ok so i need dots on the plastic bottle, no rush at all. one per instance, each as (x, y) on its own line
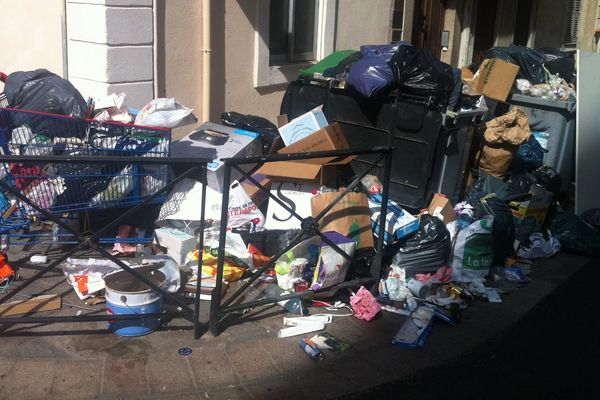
(465, 218)
(293, 306)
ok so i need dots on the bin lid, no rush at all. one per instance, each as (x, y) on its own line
(515, 99)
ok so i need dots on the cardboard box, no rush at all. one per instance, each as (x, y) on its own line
(398, 222)
(218, 141)
(177, 243)
(441, 206)
(494, 79)
(303, 126)
(314, 170)
(529, 215)
(297, 196)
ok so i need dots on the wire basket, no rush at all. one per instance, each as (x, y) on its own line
(60, 188)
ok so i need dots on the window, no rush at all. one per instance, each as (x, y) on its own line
(573, 10)
(292, 31)
(397, 20)
(290, 35)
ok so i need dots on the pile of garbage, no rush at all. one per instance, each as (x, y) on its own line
(436, 261)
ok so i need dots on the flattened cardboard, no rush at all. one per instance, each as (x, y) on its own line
(495, 78)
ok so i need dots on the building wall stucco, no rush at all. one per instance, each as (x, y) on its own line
(550, 23)
(362, 22)
(32, 36)
(232, 52)
(587, 40)
(179, 56)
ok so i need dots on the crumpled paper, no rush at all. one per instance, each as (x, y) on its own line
(365, 306)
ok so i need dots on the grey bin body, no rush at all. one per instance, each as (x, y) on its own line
(557, 118)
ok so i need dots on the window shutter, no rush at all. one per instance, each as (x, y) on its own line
(573, 12)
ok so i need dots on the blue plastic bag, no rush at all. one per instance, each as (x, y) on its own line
(530, 156)
(371, 75)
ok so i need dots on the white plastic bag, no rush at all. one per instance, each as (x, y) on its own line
(183, 204)
(166, 113)
(242, 210)
(473, 252)
(112, 108)
(118, 187)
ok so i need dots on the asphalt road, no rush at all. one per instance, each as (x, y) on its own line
(551, 353)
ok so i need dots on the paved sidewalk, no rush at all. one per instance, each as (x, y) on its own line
(247, 361)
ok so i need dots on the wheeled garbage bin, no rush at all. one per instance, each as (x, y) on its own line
(411, 124)
(553, 125)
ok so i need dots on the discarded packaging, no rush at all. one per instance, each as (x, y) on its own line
(441, 207)
(45, 302)
(301, 329)
(326, 340)
(399, 223)
(177, 243)
(295, 195)
(350, 216)
(216, 142)
(319, 171)
(165, 112)
(303, 126)
(494, 79)
(311, 349)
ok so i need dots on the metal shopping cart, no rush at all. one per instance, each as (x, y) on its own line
(69, 188)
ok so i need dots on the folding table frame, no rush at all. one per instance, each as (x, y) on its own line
(309, 227)
(218, 307)
(183, 310)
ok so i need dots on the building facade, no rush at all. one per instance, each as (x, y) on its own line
(157, 48)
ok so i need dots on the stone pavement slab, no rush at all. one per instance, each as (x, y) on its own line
(247, 361)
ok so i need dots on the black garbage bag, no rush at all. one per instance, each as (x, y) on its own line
(530, 62)
(503, 229)
(417, 72)
(559, 62)
(530, 156)
(575, 235)
(342, 70)
(426, 250)
(501, 53)
(592, 217)
(455, 98)
(548, 178)
(41, 90)
(252, 123)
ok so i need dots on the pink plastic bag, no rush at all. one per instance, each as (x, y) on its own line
(364, 304)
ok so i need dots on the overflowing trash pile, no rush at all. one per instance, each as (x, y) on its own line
(441, 250)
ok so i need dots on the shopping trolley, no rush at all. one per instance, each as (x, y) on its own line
(67, 189)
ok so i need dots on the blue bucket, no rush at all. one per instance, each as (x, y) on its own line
(125, 296)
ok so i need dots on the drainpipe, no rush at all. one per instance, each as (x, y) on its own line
(206, 60)
(155, 48)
